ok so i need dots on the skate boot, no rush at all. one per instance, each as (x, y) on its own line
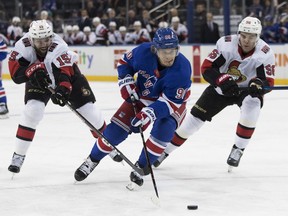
(113, 154)
(3, 111)
(161, 158)
(85, 169)
(16, 164)
(136, 177)
(234, 157)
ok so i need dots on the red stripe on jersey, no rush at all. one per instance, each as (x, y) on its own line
(177, 140)
(102, 146)
(2, 92)
(154, 147)
(68, 70)
(205, 65)
(122, 62)
(13, 67)
(25, 133)
(244, 132)
(68, 85)
(100, 130)
(270, 81)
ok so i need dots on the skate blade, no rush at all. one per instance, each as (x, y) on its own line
(155, 200)
(230, 169)
(131, 186)
(4, 116)
(12, 177)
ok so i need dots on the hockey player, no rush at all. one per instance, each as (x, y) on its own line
(242, 60)
(41, 58)
(161, 89)
(3, 99)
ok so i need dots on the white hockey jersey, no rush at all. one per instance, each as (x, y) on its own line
(58, 54)
(244, 68)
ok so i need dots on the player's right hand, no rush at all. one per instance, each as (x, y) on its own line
(34, 67)
(128, 88)
(227, 85)
(40, 79)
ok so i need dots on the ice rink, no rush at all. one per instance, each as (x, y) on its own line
(195, 174)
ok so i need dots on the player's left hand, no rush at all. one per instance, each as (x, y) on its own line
(61, 95)
(256, 87)
(143, 119)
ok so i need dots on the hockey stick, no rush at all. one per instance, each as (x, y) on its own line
(70, 106)
(269, 88)
(145, 150)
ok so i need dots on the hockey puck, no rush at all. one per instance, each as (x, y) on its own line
(192, 207)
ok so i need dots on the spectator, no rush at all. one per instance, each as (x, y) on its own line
(126, 37)
(269, 30)
(91, 9)
(77, 35)
(84, 20)
(131, 19)
(256, 9)
(44, 15)
(58, 23)
(89, 36)
(163, 24)
(140, 35)
(148, 23)
(199, 20)
(67, 36)
(114, 35)
(209, 30)
(101, 32)
(216, 8)
(14, 31)
(180, 29)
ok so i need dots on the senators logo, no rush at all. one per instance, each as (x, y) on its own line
(235, 72)
(85, 92)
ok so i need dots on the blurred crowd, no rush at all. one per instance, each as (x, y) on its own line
(100, 22)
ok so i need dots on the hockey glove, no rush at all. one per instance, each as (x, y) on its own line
(62, 93)
(256, 87)
(38, 75)
(128, 88)
(227, 85)
(40, 79)
(143, 119)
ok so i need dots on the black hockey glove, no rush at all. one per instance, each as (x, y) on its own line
(227, 85)
(40, 79)
(256, 87)
(61, 95)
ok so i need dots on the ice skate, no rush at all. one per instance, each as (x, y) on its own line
(85, 169)
(234, 158)
(16, 164)
(3, 111)
(162, 157)
(115, 156)
(136, 179)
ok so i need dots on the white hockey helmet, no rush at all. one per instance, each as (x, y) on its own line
(40, 29)
(251, 25)
(16, 19)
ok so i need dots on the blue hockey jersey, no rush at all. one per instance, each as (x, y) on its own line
(163, 89)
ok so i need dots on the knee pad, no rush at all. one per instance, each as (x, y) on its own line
(90, 112)
(33, 113)
(163, 129)
(115, 134)
(250, 111)
(189, 126)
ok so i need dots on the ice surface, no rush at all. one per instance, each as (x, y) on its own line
(195, 174)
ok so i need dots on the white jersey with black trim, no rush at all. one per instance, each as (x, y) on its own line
(54, 54)
(243, 69)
